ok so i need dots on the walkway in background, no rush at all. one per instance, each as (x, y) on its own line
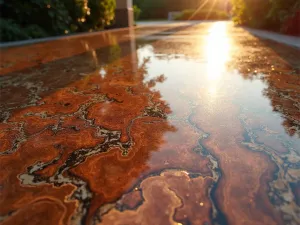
(285, 39)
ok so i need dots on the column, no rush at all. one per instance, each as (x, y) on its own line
(124, 13)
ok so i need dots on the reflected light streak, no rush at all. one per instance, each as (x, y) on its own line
(217, 53)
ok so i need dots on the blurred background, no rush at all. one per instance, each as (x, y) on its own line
(22, 20)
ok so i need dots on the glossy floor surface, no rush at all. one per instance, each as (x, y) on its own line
(172, 124)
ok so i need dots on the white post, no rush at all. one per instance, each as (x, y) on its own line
(124, 13)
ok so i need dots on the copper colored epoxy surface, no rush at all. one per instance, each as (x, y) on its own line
(173, 124)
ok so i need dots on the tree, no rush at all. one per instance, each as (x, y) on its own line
(279, 15)
(39, 18)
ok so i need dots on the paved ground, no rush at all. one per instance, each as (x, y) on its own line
(170, 124)
(165, 22)
(285, 39)
(280, 38)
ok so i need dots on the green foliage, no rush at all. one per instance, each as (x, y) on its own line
(34, 31)
(102, 13)
(159, 9)
(52, 15)
(11, 31)
(137, 12)
(78, 10)
(250, 12)
(39, 18)
(152, 8)
(281, 9)
(202, 15)
(267, 14)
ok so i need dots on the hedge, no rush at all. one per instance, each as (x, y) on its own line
(202, 15)
(277, 15)
(29, 19)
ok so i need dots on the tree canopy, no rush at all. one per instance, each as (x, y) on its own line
(279, 15)
(40, 18)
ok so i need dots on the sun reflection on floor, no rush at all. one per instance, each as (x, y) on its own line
(217, 55)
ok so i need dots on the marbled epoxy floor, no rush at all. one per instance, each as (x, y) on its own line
(188, 124)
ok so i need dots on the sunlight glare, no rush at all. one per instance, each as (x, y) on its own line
(217, 55)
(217, 51)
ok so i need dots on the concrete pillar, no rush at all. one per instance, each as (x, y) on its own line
(124, 13)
